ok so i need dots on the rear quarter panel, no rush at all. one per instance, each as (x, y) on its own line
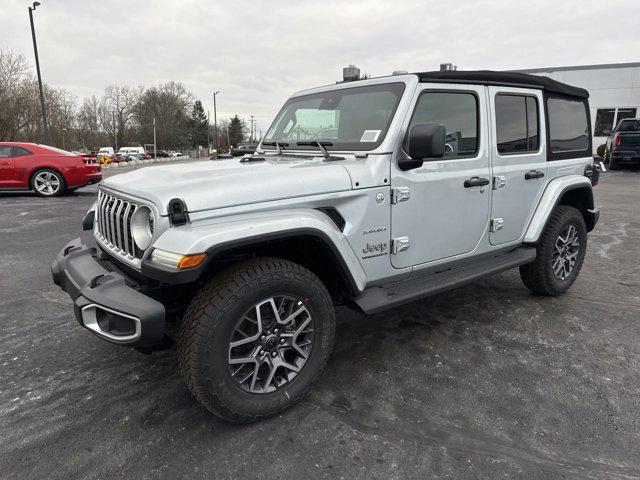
(72, 168)
(572, 166)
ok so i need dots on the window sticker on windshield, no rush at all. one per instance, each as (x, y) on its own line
(370, 136)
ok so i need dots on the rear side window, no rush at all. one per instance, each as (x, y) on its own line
(568, 126)
(458, 112)
(21, 152)
(517, 124)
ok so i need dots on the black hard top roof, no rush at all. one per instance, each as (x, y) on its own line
(509, 79)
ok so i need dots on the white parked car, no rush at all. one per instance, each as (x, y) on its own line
(130, 150)
(106, 151)
(368, 194)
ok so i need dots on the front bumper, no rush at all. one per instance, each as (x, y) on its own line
(105, 301)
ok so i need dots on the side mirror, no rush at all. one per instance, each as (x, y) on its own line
(424, 141)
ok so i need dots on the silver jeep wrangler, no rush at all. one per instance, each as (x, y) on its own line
(368, 194)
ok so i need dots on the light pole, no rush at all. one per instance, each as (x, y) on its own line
(45, 125)
(208, 141)
(215, 119)
(155, 147)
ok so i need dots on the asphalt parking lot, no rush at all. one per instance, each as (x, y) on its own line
(487, 381)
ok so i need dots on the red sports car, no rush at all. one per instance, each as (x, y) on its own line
(48, 171)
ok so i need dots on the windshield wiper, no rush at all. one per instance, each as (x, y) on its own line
(279, 146)
(321, 145)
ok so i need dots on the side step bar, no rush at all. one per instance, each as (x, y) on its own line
(376, 299)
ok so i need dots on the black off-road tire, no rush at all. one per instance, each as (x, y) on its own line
(212, 316)
(538, 275)
(614, 165)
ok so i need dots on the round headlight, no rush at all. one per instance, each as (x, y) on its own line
(142, 227)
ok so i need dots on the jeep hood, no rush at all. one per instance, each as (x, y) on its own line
(207, 185)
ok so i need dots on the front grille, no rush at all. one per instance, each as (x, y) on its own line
(113, 223)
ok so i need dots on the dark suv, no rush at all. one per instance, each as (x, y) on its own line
(243, 149)
(623, 146)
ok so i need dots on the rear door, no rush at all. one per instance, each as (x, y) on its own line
(519, 160)
(439, 212)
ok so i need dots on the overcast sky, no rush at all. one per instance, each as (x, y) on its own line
(256, 53)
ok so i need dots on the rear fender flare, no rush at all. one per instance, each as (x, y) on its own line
(551, 197)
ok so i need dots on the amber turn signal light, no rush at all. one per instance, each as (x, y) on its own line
(191, 261)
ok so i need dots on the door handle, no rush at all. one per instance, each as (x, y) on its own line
(532, 174)
(476, 182)
(5, 163)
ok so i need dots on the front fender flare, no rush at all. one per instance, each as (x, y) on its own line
(550, 199)
(219, 234)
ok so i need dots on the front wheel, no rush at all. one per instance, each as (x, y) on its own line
(560, 253)
(48, 183)
(255, 338)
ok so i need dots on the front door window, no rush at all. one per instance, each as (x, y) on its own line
(458, 112)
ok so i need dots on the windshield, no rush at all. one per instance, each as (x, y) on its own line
(347, 119)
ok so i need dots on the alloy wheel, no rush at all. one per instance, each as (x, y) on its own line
(565, 252)
(270, 344)
(46, 183)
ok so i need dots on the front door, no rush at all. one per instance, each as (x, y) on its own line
(518, 158)
(7, 174)
(447, 209)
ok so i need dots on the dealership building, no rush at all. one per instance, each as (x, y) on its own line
(614, 91)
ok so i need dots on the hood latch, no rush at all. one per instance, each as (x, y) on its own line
(178, 212)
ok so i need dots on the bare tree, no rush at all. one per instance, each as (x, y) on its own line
(89, 124)
(122, 115)
(19, 111)
(61, 107)
(119, 101)
(19, 106)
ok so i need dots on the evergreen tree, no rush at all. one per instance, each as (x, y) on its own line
(237, 130)
(198, 124)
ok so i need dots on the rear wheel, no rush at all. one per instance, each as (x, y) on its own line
(48, 183)
(613, 164)
(560, 253)
(255, 338)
